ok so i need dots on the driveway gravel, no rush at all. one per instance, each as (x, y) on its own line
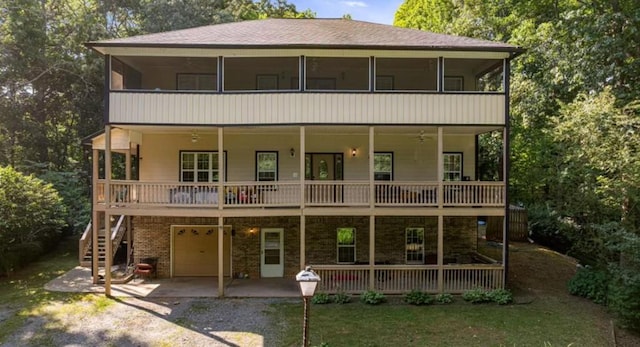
(98, 321)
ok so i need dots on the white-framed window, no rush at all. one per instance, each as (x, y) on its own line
(346, 245)
(452, 166)
(266, 166)
(414, 245)
(383, 166)
(199, 167)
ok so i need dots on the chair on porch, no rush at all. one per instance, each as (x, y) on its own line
(146, 268)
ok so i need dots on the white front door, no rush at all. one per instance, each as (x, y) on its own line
(272, 253)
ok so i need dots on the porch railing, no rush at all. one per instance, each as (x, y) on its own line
(287, 194)
(397, 279)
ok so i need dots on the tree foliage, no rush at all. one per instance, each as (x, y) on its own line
(31, 217)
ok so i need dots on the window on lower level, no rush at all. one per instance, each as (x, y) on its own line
(383, 166)
(346, 245)
(266, 166)
(414, 245)
(452, 166)
(199, 167)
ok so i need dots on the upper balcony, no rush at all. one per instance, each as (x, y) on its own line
(306, 90)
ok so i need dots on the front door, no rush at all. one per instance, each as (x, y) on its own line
(272, 253)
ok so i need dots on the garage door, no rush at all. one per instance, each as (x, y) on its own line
(195, 251)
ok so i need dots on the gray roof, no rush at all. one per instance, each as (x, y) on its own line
(307, 33)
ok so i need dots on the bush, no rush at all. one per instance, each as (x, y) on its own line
(590, 283)
(624, 296)
(444, 298)
(371, 297)
(548, 228)
(342, 298)
(416, 297)
(320, 299)
(476, 296)
(32, 217)
(501, 296)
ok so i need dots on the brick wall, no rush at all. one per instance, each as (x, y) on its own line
(152, 239)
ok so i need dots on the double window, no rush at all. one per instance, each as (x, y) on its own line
(414, 245)
(266, 166)
(383, 166)
(452, 166)
(199, 167)
(346, 245)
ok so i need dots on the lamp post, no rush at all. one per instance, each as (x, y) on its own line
(308, 281)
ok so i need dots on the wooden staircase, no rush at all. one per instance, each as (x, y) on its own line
(86, 245)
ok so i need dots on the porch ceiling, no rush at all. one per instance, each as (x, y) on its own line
(413, 130)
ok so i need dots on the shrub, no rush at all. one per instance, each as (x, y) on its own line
(548, 228)
(342, 298)
(320, 299)
(416, 297)
(444, 298)
(31, 218)
(590, 283)
(476, 296)
(624, 296)
(501, 296)
(371, 297)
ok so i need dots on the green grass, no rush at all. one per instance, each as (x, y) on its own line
(23, 295)
(541, 323)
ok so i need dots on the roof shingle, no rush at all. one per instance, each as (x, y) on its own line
(291, 33)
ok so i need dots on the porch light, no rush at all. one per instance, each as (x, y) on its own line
(292, 151)
(354, 151)
(308, 281)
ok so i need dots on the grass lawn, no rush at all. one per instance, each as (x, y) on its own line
(23, 294)
(540, 323)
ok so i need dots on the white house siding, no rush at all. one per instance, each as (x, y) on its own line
(413, 160)
(306, 108)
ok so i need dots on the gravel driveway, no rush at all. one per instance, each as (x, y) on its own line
(98, 321)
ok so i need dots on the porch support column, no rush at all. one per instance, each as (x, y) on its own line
(372, 190)
(221, 194)
(95, 223)
(440, 253)
(372, 252)
(440, 210)
(107, 217)
(372, 218)
(301, 175)
(506, 160)
(221, 169)
(127, 173)
(220, 256)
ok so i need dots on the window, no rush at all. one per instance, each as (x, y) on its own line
(199, 167)
(266, 166)
(194, 81)
(346, 245)
(383, 166)
(415, 245)
(452, 166)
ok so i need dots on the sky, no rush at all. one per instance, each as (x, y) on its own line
(376, 11)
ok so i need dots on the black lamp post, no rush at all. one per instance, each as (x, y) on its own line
(308, 281)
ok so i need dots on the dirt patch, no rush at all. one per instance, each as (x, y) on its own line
(537, 273)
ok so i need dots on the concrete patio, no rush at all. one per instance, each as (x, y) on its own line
(78, 280)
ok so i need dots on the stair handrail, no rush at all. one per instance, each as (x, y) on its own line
(85, 241)
(117, 234)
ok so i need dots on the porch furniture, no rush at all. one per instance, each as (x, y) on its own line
(146, 268)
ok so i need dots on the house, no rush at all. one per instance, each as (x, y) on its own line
(252, 149)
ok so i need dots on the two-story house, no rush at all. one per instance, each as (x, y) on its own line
(252, 149)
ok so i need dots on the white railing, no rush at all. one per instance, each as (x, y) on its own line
(84, 242)
(397, 279)
(460, 278)
(336, 193)
(117, 234)
(287, 194)
(474, 193)
(406, 194)
(258, 194)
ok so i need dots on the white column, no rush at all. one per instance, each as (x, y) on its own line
(303, 220)
(220, 257)
(107, 222)
(95, 223)
(303, 248)
(440, 253)
(372, 252)
(440, 210)
(372, 219)
(221, 168)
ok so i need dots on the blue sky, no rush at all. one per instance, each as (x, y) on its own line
(376, 11)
